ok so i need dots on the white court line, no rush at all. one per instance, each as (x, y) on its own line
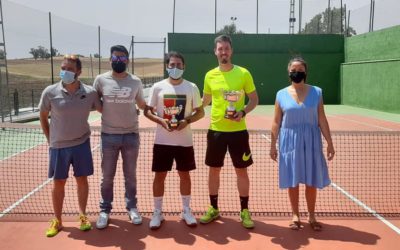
(358, 202)
(23, 151)
(8, 210)
(265, 137)
(370, 210)
(362, 123)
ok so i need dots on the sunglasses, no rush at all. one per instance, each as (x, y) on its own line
(71, 57)
(119, 58)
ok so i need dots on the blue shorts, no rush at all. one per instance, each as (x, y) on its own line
(79, 156)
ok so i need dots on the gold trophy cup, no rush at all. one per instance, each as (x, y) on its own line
(173, 112)
(231, 96)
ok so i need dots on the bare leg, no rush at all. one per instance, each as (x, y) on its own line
(213, 180)
(243, 182)
(294, 202)
(83, 192)
(158, 184)
(185, 183)
(311, 197)
(58, 194)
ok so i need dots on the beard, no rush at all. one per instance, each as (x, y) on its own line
(224, 61)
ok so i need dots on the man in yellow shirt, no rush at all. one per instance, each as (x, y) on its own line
(226, 86)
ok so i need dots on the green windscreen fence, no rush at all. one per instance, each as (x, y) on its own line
(370, 74)
(266, 56)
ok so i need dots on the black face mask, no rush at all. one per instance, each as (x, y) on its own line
(297, 77)
(118, 66)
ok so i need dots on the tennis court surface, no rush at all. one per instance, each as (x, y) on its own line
(360, 210)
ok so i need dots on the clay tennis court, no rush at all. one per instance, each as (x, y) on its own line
(358, 211)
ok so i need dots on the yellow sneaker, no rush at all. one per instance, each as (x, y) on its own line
(246, 219)
(210, 215)
(55, 227)
(85, 223)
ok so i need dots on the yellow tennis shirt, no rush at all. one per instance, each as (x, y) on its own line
(215, 83)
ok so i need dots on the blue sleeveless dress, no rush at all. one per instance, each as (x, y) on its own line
(301, 158)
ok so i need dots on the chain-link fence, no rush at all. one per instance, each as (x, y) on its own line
(32, 65)
(30, 32)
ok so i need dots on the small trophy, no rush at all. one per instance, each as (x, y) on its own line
(173, 112)
(231, 96)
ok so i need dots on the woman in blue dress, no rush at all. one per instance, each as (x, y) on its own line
(299, 120)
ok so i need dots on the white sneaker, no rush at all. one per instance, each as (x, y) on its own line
(134, 216)
(102, 221)
(156, 219)
(188, 217)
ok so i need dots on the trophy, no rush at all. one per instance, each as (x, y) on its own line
(231, 96)
(173, 112)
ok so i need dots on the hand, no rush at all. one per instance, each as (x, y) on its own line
(237, 116)
(164, 123)
(330, 152)
(273, 153)
(182, 124)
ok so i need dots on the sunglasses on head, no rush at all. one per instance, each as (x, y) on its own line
(119, 58)
(70, 57)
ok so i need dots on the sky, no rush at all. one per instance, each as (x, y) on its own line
(75, 22)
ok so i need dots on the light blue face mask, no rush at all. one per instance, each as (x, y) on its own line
(67, 77)
(175, 73)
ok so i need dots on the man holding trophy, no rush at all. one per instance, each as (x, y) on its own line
(173, 104)
(226, 86)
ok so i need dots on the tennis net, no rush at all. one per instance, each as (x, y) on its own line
(365, 177)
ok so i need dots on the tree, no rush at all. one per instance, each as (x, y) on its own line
(54, 52)
(229, 30)
(35, 53)
(2, 54)
(42, 52)
(320, 23)
(96, 55)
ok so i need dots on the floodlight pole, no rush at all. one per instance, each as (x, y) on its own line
(215, 15)
(99, 50)
(173, 18)
(51, 50)
(257, 19)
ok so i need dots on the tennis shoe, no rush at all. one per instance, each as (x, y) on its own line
(156, 219)
(55, 227)
(84, 223)
(210, 215)
(134, 216)
(102, 221)
(188, 217)
(246, 220)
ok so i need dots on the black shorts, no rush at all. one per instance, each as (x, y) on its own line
(236, 142)
(164, 155)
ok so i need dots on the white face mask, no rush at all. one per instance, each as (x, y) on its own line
(67, 77)
(175, 73)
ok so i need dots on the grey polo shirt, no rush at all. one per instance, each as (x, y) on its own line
(69, 113)
(119, 97)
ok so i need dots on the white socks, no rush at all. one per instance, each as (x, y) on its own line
(186, 201)
(158, 202)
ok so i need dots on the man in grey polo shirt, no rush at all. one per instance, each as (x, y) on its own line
(120, 92)
(69, 102)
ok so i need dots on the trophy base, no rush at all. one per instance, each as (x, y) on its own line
(230, 114)
(173, 125)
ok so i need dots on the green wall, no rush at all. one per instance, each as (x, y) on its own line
(370, 74)
(266, 57)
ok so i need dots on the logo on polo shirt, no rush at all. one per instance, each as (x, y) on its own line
(119, 95)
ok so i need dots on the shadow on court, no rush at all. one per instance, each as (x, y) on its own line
(122, 234)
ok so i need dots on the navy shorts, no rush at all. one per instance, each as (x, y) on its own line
(164, 155)
(218, 143)
(79, 156)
